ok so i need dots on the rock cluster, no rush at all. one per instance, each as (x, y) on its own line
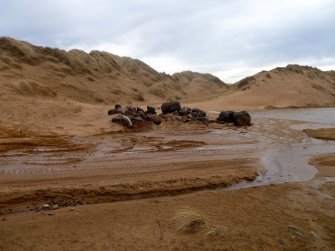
(242, 118)
(188, 114)
(130, 115)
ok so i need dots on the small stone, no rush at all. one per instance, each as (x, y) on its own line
(71, 208)
(55, 206)
(46, 206)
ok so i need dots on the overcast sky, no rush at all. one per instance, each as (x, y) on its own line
(228, 38)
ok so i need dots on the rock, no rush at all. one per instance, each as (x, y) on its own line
(154, 118)
(117, 106)
(141, 114)
(115, 111)
(185, 111)
(46, 206)
(242, 118)
(203, 119)
(139, 109)
(194, 114)
(151, 109)
(169, 107)
(226, 117)
(223, 117)
(123, 120)
(231, 116)
(200, 112)
(131, 117)
(55, 206)
(130, 110)
(138, 118)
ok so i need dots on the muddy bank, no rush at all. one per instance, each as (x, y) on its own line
(114, 167)
(322, 133)
(325, 165)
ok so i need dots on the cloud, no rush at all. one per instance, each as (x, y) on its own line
(231, 38)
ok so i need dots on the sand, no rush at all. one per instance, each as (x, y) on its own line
(325, 164)
(70, 179)
(281, 217)
(322, 133)
(159, 189)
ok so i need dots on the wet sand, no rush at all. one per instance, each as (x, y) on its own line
(325, 165)
(322, 133)
(127, 190)
(107, 168)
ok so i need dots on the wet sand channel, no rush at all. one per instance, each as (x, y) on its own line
(122, 166)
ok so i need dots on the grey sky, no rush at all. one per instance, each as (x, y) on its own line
(228, 38)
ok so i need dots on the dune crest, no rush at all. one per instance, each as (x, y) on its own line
(292, 86)
(99, 77)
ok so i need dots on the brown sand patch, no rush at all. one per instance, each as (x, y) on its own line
(280, 217)
(323, 133)
(325, 164)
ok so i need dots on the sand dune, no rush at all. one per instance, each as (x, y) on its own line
(43, 87)
(291, 86)
(97, 77)
(50, 88)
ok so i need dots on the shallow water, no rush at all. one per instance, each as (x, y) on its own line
(288, 150)
(313, 115)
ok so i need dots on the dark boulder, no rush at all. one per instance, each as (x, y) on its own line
(231, 116)
(203, 119)
(138, 119)
(130, 110)
(117, 106)
(226, 117)
(242, 118)
(200, 112)
(223, 117)
(195, 115)
(139, 109)
(185, 111)
(151, 109)
(169, 107)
